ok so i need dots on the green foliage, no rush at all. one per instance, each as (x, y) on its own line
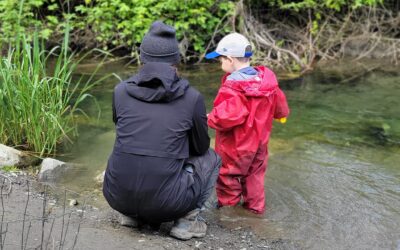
(17, 16)
(9, 169)
(109, 24)
(116, 22)
(124, 22)
(335, 5)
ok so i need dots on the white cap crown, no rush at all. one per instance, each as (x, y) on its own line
(235, 45)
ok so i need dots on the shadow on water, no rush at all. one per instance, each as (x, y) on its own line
(333, 179)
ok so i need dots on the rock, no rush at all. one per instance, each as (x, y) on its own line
(73, 202)
(52, 169)
(100, 178)
(12, 157)
(8, 156)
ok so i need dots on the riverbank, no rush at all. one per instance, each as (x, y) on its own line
(35, 215)
(331, 183)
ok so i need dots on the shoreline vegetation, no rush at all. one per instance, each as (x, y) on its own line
(288, 35)
(42, 42)
(39, 97)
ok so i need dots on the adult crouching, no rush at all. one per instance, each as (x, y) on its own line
(161, 168)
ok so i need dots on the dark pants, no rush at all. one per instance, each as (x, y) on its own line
(123, 185)
(205, 169)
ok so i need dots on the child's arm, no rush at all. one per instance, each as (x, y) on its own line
(229, 110)
(281, 108)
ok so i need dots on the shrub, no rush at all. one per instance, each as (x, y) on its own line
(109, 24)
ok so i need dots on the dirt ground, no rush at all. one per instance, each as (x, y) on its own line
(33, 215)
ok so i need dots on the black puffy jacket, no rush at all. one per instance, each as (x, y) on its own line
(160, 121)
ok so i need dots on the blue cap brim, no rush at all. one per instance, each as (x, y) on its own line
(212, 55)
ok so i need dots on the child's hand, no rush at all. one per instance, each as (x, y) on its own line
(281, 120)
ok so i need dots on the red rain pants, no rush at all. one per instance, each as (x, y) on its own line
(236, 181)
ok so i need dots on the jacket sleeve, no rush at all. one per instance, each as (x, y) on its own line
(114, 111)
(199, 141)
(281, 108)
(229, 110)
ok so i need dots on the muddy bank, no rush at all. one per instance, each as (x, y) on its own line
(35, 215)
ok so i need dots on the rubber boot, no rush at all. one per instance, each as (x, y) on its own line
(189, 226)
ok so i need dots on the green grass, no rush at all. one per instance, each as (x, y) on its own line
(39, 99)
(9, 169)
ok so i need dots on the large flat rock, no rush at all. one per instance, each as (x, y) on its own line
(51, 170)
(12, 157)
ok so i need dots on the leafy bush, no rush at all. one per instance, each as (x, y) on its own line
(117, 23)
(336, 5)
(124, 22)
(17, 17)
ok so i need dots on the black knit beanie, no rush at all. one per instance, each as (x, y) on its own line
(160, 45)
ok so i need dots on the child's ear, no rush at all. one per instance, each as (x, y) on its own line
(230, 59)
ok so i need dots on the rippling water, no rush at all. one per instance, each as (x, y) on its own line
(333, 179)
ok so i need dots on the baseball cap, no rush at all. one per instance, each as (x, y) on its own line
(234, 44)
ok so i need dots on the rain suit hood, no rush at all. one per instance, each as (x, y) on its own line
(156, 82)
(263, 84)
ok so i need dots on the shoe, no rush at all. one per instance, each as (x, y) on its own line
(129, 221)
(189, 226)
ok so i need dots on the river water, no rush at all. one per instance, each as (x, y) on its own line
(333, 179)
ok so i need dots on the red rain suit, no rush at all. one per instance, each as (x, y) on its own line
(242, 117)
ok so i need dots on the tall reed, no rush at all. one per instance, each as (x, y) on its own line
(38, 98)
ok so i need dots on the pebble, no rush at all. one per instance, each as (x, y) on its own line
(73, 202)
(197, 244)
(52, 203)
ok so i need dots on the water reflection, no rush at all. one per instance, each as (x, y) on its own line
(333, 180)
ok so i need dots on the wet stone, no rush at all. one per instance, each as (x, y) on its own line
(12, 157)
(51, 170)
(73, 202)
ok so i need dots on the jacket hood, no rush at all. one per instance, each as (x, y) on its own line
(156, 82)
(264, 84)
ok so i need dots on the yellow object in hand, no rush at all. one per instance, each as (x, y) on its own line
(281, 120)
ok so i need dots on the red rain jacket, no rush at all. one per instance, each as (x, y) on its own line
(242, 117)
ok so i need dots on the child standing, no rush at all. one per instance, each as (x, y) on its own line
(246, 104)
